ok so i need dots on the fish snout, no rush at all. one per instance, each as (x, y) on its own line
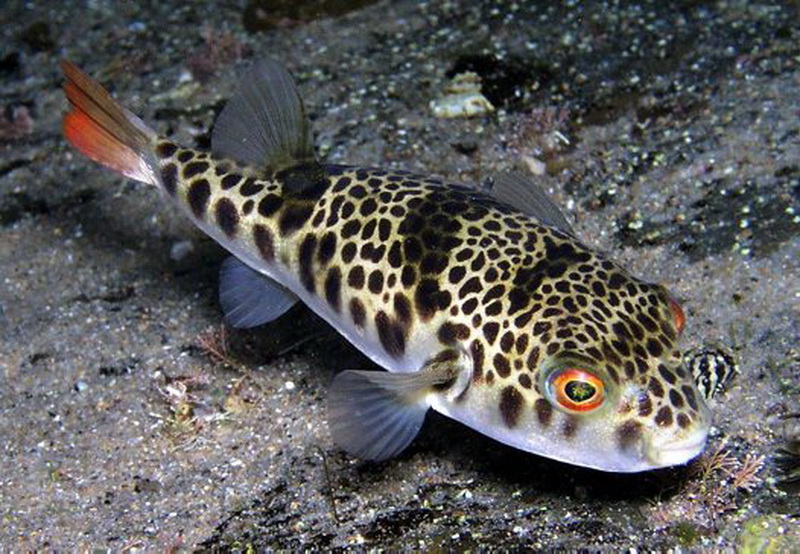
(664, 441)
(676, 448)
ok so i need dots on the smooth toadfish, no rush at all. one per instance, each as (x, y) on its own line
(482, 306)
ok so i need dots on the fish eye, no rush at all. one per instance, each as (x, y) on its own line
(577, 390)
(677, 315)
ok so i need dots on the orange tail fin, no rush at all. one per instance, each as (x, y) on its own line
(104, 131)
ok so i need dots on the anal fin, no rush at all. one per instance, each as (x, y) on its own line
(248, 298)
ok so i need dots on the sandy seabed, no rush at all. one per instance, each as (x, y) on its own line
(130, 418)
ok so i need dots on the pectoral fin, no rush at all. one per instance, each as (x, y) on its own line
(375, 415)
(248, 298)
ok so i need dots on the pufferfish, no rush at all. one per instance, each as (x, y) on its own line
(483, 306)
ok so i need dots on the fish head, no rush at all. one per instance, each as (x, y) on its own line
(617, 396)
(594, 380)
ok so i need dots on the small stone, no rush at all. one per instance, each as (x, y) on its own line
(180, 250)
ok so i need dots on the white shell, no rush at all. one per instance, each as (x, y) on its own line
(463, 98)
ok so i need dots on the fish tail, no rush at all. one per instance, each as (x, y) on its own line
(100, 128)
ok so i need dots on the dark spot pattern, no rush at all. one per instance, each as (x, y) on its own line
(355, 278)
(169, 178)
(402, 309)
(490, 331)
(229, 181)
(306, 259)
(511, 403)
(689, 394)
(193, 169)
(198, 195)
(293, 217)
(250, 188)
(349, 252)
(391, 335)
(185, 155)
(502, 366)
(570, 426)
(375, 282)
(269, 205)
(664, 417)
(628, 434)
(544, 412)
(262, 237)
(358, 312)
(429, 298)
(227, 217)
(333, 288)
(327, 248)
(675, 398)
(395, 256)
(166, 149)
(450, 333)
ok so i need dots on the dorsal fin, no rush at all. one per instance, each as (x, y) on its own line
(521, 192)
(264, 124)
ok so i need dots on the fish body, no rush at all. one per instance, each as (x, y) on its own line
(484, 307)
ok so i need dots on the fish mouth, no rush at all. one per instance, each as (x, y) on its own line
(676, 451)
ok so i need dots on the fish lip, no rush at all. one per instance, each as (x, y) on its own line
(676, 451)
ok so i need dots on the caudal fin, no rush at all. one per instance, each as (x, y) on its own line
(104, 131)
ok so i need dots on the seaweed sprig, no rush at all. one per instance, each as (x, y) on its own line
(717, 482)
(213, 343)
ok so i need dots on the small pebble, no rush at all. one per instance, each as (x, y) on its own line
(180, 250)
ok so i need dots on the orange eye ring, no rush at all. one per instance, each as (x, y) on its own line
(577, 390)
(677, 315)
